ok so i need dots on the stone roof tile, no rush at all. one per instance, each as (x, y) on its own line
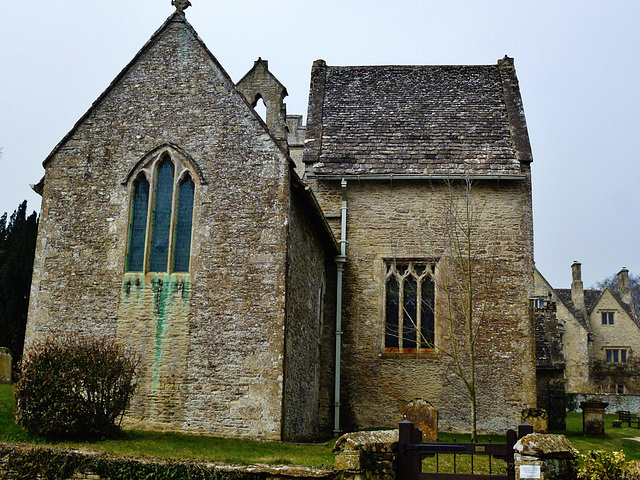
(412, 120)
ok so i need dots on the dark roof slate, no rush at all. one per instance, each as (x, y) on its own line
(564, 294)
(416, 120)
(591, 298)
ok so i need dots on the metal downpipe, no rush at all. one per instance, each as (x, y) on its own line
(340, 261)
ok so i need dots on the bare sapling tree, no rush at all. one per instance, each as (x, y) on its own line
(465, 289)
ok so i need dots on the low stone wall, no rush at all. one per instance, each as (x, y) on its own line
(359, 456)
(367, 455)
(27, 461)
(616, 402)
(544, 457)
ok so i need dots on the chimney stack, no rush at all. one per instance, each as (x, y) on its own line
(623, 285)
(577, 289)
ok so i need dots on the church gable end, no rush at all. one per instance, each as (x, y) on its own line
(164, 224)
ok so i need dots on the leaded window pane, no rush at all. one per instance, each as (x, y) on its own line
(623, 356)
(138, 227)
(182, 245)
(410, 313)
(161, 227)
(392, 313)
(426, 313)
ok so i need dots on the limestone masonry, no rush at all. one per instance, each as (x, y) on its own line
(224, 248)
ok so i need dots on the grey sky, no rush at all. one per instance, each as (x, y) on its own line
(577, 62)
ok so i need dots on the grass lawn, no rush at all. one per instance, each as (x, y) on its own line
(180, 446)
(615, 438)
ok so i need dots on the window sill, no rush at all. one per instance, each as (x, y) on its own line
(427, 353)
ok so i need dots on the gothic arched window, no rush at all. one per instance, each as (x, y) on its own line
(161, 218)
(409, 306)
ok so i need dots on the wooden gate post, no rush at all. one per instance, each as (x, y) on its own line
(409, 463)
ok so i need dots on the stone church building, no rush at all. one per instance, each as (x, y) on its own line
(286, 282)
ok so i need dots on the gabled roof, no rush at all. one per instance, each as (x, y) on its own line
(263, 66)
(625, 306)
(590, 298)
(176, 17)
(416, 120)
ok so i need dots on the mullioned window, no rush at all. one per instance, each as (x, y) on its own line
(409, 306)
(161, 219)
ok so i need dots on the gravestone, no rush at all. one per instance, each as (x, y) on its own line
(593, 417)
(5, 365)
(424, 416)
(538, 417)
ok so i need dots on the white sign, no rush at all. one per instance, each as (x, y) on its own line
(529, 471)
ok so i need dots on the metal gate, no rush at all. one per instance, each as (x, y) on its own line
(412, 452)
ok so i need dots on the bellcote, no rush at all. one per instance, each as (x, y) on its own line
(260, 83)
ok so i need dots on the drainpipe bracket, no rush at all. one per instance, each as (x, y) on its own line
(340, 259)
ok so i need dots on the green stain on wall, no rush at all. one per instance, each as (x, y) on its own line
(166, 292)
(161, 289)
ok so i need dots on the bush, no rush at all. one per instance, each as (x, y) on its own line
(601, 465)
(74, 387)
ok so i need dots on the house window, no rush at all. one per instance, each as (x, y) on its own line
(616, 355)
(409, 306)
(607, 318)
(539, 303)
(161, 218)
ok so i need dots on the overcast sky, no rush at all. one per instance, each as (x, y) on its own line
(578, 63)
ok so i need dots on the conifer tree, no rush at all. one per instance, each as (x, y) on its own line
(17, 248)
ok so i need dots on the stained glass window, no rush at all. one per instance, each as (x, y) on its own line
(161, 226)
(138, 227)
(392, 304)
(171, 219)
(182, 242)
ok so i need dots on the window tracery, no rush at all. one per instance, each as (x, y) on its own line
(161, 218)
(409, 306)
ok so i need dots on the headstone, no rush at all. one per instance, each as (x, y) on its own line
(424, 416)
(537, 417)
(5, 365)
(593, 417)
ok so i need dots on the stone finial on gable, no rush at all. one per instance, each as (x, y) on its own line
(181, 5)
(506, 63)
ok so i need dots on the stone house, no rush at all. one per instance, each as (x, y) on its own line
(599, 333)
(179, 222)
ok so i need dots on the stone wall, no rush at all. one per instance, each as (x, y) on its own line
(394, 219)
(212, 339)
(309, 266)
(616, 402)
